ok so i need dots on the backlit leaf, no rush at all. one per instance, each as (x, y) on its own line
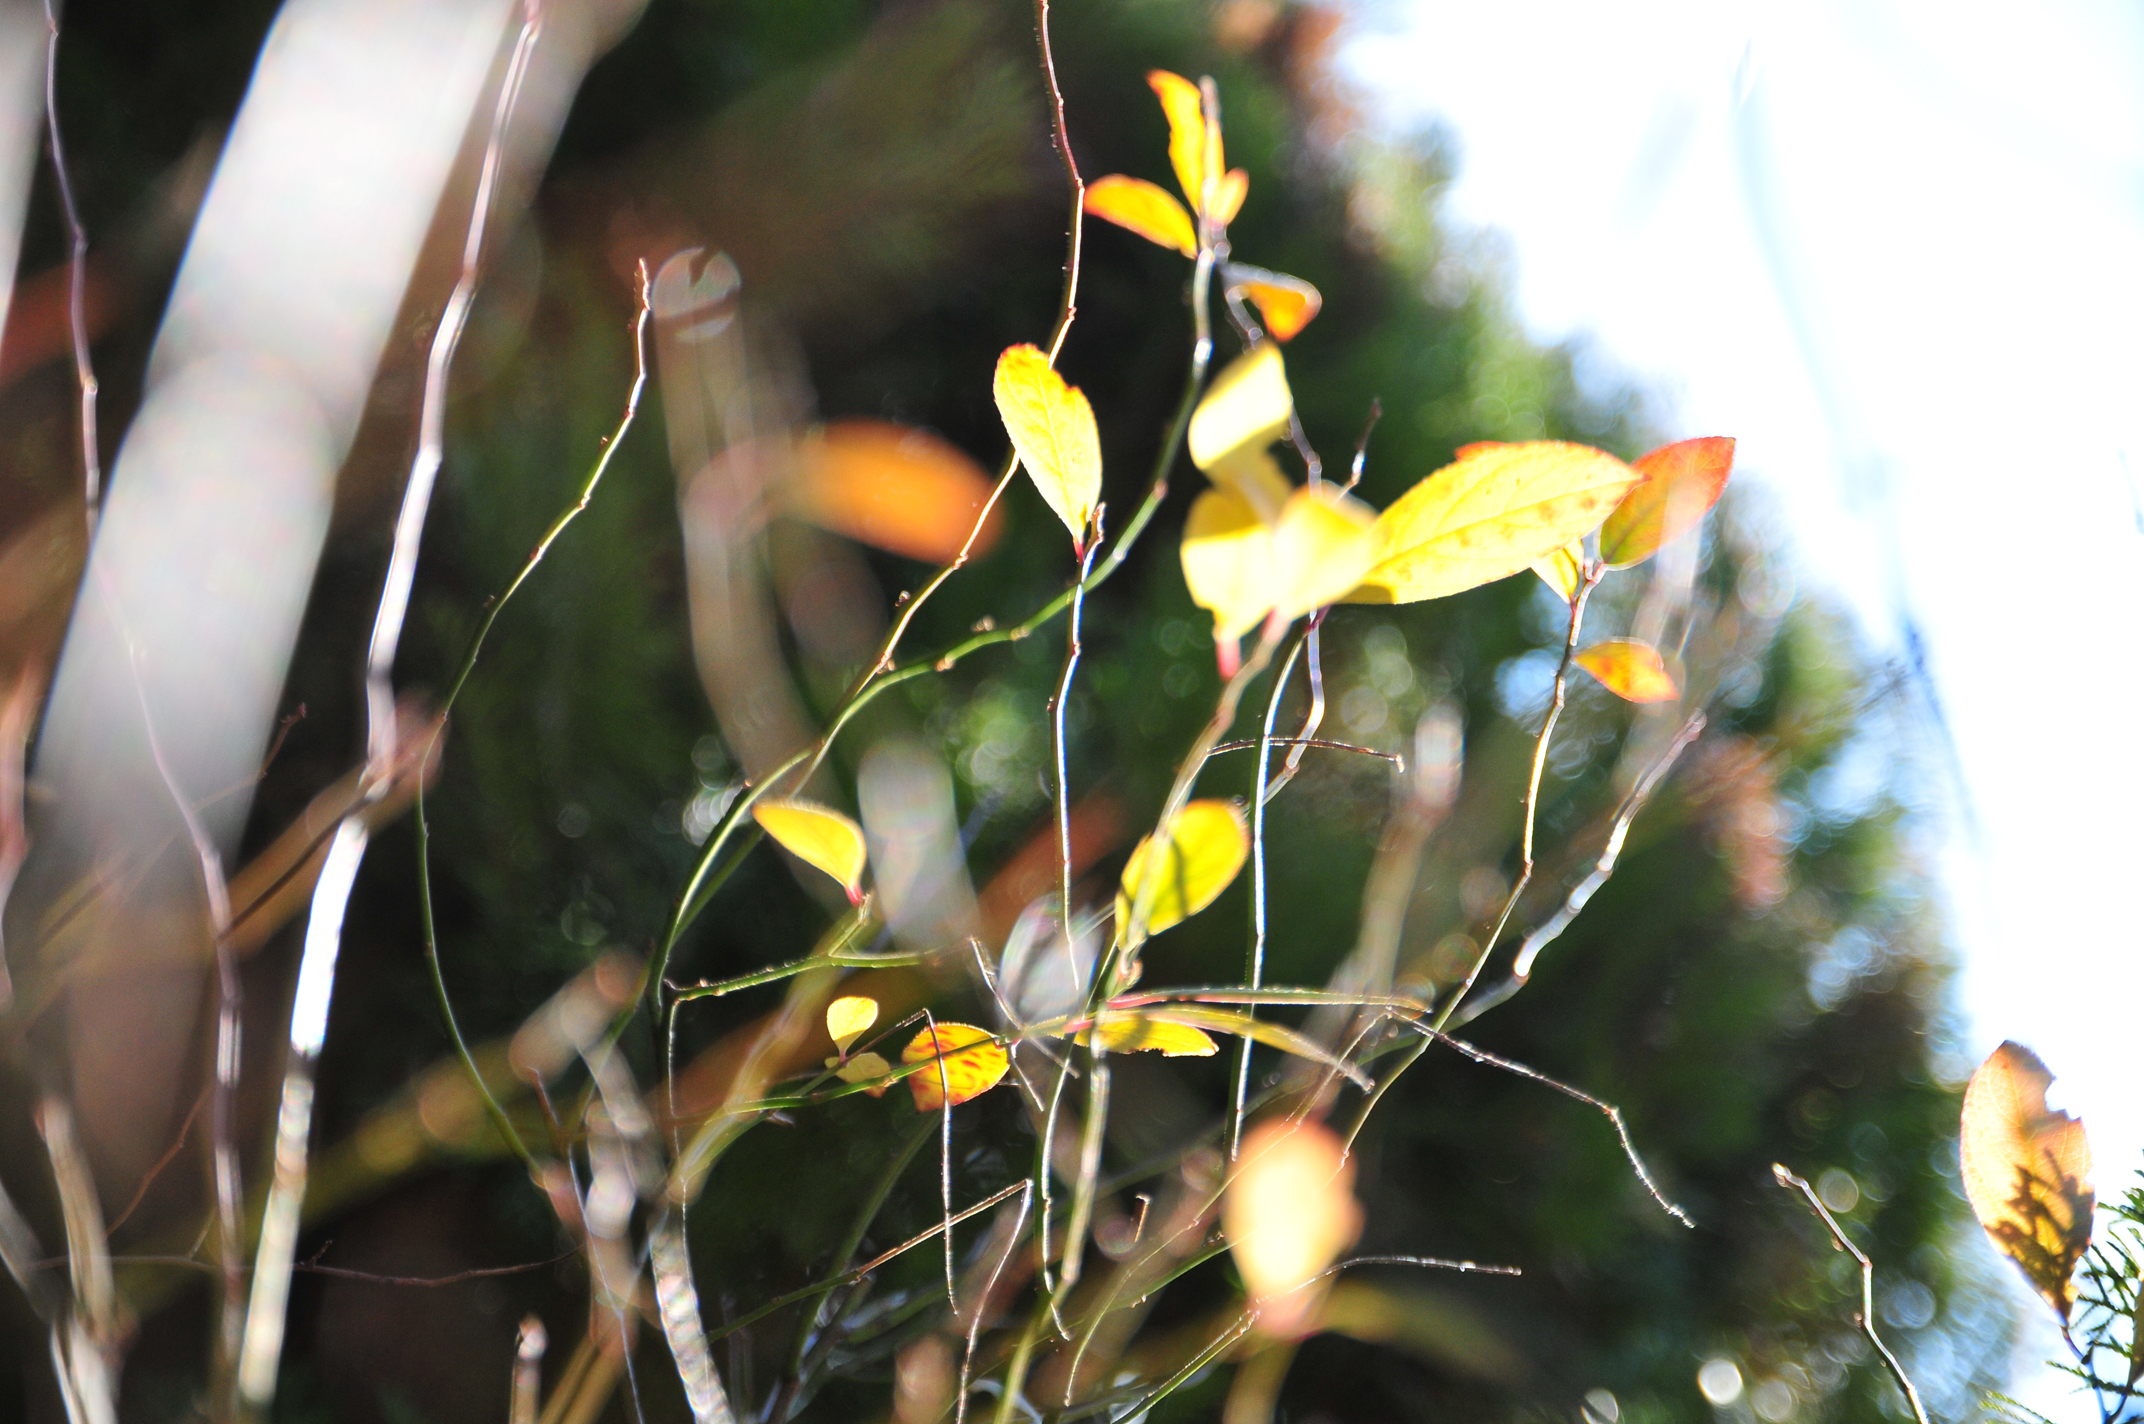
(847, 1018)
(893, 487)
(1564, 570)
(1258, 1030)
(862, 1069)
(1207, 844)
(1144, 208)
(1229, 191)
(1288, 1212)
(1130, 1032)
(1228, 561)
(1285, 303)
(1052, 429)
(1682, 482)
(1630, 669)
(1491, 513)
(968, 1071)
(2027, 1171)
(1256, 475)
(1322, 545)
(1186, 112)
(819, 836)
(1246, 407)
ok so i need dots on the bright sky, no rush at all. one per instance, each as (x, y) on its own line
(1896, 247)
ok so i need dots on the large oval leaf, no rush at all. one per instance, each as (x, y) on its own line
(969, 1062)
(1052, 430)
(1246, 408)
(2027, 1171)
(1207, 845)
(1630, 669)
(819, 836)
(1228, 562)
(1681, 482)
(1491, 513)
(893, 487)
(1143, 208)
(1322, 545)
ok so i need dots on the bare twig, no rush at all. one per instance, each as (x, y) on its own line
(982, 1302)
(85, 375)
(1865, 1318)
(1254, 969)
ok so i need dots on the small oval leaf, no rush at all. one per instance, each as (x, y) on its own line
(1564, 570)
(819, 836)
(1052, 429)
(1491, 513)
(1186, 113)
(1229, 191)
(895, 488)
(848, 1017)
(2027, 1171)
(1681, 484)
(1228, 561)
(1207, 845)
(1143, 208)
(969, 1061)
(1246, 408)
(1630, 669)
(1130, 1032)
(1322, 545)
(1285, 303)
(1288, 1213)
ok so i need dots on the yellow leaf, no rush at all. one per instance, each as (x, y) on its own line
(1491, 513)
(1630, 669)
(1256, 475)
(1052, 429)
(1207, 845)
(968, 1071)
(1144, 208)
(1228, 561)
(1246, 407)
(1286, 303)
(847, 1018)
(1288, 1212)
(1322, 545)
(862, 1069)
(1186, 113)
(895, 488)
(1229, 191)
(820, 836)
(2027, 1171)
(1137, 1033)
(1564, 570)
(1682, 482)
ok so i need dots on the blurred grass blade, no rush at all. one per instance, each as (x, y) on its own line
(677, 1304)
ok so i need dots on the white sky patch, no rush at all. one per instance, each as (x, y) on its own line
(1896, 248)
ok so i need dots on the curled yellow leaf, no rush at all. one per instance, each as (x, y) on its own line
(1288, 1212)
(1490, 513)
(1229, 191)
(1188, 144)
(1228, 559)
(862, 1069)
(1564, 570)
(1053, 432)
(2027, 1171)
(848, 1017)
(1286, 303)
(1322, 545)
(1630, 669)
(1206, 845)
(969, 1063)
(1128, 1032)
(820, 836)
(1681, 483)
(1246, 408)
(1144, 208)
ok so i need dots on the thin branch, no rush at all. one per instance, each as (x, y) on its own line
(85, 375)
(1399, 762)
(1254, 968)
(1865, 1318)
(982, 1302)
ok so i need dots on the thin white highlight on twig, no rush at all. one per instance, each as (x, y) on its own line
(1865, 1318)
(982, 1302)
(85, 375)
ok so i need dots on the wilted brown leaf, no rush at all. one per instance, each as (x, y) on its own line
(2027, 1171)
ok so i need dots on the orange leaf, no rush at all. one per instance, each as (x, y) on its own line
(1631, 670)
(967, 1071)
(1288, 1213)
(895, 488)
(2027, 1171)
(1186, 112)
(1287, 303)
(1682, 482)
(1229, 191)
(1145, 209)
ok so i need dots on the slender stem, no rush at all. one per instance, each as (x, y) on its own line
(85, 375)
(1866, 1317)
(1254, 969)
